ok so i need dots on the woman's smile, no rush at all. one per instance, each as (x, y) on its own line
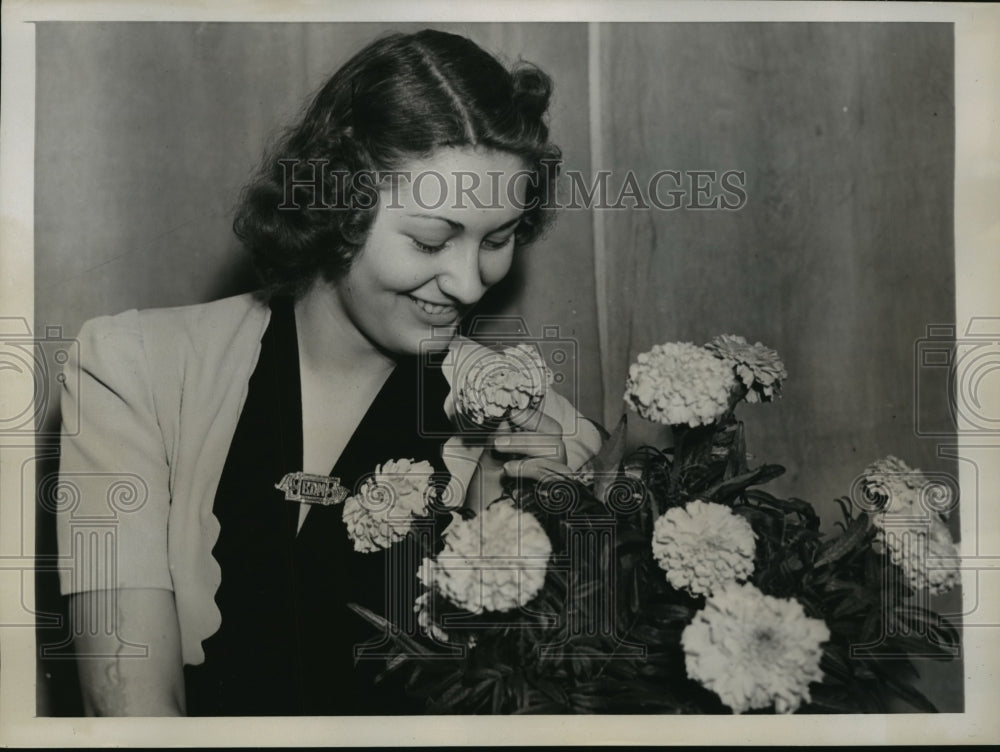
(434, 313)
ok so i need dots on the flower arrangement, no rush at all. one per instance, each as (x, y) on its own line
(669, 581)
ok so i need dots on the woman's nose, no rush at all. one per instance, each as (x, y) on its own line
(460, 277)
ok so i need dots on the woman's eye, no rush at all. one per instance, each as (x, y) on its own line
(426, 247)
(497, 244)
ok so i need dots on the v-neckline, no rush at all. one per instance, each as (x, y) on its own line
(289, 382)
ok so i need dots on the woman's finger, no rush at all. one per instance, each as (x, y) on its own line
(530, 444)
(535, 421)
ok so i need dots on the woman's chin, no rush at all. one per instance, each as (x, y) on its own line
(435, 341)
(421, 338)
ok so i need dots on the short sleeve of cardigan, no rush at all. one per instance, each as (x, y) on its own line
(113, 471)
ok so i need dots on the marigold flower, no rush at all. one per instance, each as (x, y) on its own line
(894, 487)
(383, 510)
(679, 383)
(495, 384)
(758, 367)
(703, 546)
(754, 650)
(915, 537)
(494, 562)
(928, 556)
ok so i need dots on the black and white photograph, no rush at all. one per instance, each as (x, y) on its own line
(636, 365)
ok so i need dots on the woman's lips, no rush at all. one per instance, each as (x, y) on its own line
(433, 312)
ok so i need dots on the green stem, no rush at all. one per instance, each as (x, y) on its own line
(681, 434)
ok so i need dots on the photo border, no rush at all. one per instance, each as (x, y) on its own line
(977, 236)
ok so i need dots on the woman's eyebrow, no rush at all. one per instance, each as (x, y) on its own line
(459, 226)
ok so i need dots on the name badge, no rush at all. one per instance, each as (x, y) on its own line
(312, 489)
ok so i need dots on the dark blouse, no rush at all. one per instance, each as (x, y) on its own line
(289, 644)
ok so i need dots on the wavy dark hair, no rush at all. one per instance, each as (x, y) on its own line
(402, 97)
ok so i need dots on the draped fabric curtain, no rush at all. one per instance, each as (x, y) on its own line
(840, 258)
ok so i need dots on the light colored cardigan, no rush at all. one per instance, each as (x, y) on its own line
(158, 394)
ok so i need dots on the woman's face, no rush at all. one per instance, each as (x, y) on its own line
(442, 236)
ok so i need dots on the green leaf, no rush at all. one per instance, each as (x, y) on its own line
(796, 506)
(834, 584)
(607, 462)
(922, 620)
(482, 673)
(902, 669)
(480, 693)
(842, 545)
(552, 690)
(764, 518)
(833, 699)
(453, 697)
(669, 612)
(835, 663)
(736, 463)
(498, 693)
(432, 691)
(845, 508)
(855, 602)
(911, 694)
(731, 487)
(519, 689)
(394, 663)
(940, 634)
(650, 635)
(625, 536)
(408, 643)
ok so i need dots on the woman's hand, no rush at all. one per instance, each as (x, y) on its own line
(530, 449)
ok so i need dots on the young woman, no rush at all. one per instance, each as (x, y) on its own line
(378, 222)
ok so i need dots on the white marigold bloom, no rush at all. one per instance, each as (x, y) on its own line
(894, 487)
(703, 546)
(494, 562)
(927, 555)
(754, 650)
(679, 383)
(915, 538)
(758, 367)
(383, 510)
(495, 384)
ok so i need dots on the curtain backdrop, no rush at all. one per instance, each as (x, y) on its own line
(843, 254)
(840, 259)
